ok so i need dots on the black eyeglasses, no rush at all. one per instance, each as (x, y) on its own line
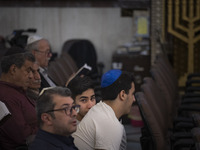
(68, 110)
(47, 53)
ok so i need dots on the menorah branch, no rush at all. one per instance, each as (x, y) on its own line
(196, 39)
(177, 16)
(184, 15)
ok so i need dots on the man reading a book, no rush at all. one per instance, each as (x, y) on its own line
(15, 79)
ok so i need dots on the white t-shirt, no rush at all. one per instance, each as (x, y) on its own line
(100, 129)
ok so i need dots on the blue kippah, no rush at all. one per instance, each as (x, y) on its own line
(110, 77)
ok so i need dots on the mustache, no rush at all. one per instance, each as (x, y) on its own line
(36, 81)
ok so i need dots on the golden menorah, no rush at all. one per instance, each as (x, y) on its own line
(188, 11)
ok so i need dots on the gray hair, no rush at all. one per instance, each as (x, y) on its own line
(32, 46)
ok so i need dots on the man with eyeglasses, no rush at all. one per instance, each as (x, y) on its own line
(82, 89)
(40, 48)
(56, 113)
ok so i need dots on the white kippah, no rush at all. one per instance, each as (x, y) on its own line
(33, 38)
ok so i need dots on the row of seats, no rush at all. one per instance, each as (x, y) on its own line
(169, 123)
(61, 69)
(75, 53)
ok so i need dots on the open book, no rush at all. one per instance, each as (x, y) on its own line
(4, 113)
(84, 70)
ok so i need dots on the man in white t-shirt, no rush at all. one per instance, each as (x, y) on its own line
(101, 128)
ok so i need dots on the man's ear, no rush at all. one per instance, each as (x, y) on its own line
(13, 68)
(46, 118)
(122, 95)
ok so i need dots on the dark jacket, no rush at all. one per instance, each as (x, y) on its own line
(44, 83)
(49, 141)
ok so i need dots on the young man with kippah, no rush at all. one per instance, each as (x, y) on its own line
(101, 128)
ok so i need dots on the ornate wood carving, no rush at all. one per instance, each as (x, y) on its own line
(183, 18)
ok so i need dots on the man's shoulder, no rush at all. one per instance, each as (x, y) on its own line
(93, 114)
(10, 86)
(94, 118)
(41, 142)
(7, 85)
(9, 91)
(38, 145)
(100, 110)
(45, 141)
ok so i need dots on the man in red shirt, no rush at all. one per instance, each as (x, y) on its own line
(15, 79)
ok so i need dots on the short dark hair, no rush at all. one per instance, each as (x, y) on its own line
(18, 59)
(45, 102)
(14, 50)
(122, 83)
(78, 85)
